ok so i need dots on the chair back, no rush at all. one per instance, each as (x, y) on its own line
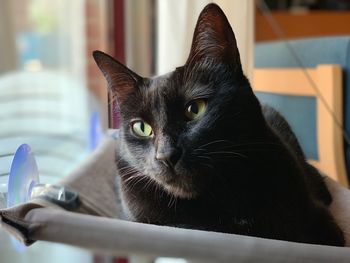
(314, 121)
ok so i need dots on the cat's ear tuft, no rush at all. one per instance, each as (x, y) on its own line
(121, 80)
(214, 39)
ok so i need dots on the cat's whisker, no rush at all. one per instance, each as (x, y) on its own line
(207, 165)
(212, 142)
(129, 172)
(147, 185)
(255, 149)
(259, 143)
(133, 177)
(203, 157)
(126, 170)
(175, 203)
(254, 143)
(157, 189)
(171, 196)
(261, 150)
(199, 150)
(238, 147)
(227, 153)
(134, 183)
(172, 201)
(126, 173)
(224, 152)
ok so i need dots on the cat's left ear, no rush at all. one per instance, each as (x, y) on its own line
(214, 40)
(121, 80)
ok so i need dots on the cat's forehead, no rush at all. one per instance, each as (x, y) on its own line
(161, 82)
(161, 87)
(157, 97)
(173, 85)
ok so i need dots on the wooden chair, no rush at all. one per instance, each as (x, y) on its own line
(292, 83)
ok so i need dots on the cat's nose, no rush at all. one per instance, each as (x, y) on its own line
(169, 157)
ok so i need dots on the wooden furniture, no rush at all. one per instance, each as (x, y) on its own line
(301, 25)
(328, 78)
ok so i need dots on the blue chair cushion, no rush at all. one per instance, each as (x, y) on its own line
(311, 52)
(301, 115)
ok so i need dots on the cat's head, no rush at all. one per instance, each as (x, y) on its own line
(174, 128)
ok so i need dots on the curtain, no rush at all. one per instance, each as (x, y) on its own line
(139, 36)
(8, 58)
(175, 27)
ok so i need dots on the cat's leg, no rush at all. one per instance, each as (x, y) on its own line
(340, 207)
(317, 185)
(322, 228)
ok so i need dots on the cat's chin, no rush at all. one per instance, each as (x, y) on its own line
(179, 192)
(174, 185)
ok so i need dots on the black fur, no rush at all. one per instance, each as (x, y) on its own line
(239, 168)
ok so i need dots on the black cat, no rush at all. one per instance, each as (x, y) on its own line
(197, 150)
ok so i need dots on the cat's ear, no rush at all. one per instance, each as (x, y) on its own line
(214, 39)
(121, 80)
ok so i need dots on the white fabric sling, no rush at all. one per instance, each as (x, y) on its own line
(93, 225)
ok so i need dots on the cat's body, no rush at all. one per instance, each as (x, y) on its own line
(197, 150)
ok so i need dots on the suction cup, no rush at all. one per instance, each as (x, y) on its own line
(96, 132)
(23, 176)
(23, 185)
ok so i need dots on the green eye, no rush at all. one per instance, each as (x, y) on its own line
(142, 129)
(195, 109)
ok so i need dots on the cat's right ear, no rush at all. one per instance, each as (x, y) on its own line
(121, 80)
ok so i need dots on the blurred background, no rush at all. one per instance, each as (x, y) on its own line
(53, 97)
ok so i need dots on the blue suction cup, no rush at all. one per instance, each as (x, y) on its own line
(96, 133)
(23, 184)
(22, 178)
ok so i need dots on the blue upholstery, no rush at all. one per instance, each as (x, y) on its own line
(298, 111)
(313, 51)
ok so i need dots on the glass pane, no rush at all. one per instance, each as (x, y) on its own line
(43, 95)
(44, 100)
